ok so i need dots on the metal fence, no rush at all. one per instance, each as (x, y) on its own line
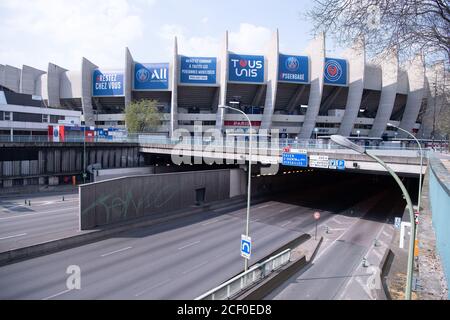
(243, 281)
(263, 143)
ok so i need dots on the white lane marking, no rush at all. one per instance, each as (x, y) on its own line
(196, 267)
(117, 251)
(36, 213)
(152, 287)
(17, 235)
(335, 240)
(285, 224)
(336, 229)
(264, 206)
(189, 245)
(284, 210)
(211, 222)
(38, 204)
(358, 267)
(58, 294)
(385, 233)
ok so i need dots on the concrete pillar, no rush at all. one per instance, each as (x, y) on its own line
(128, 77)
(416, 81)
(12, 78)
(272, 58)
(87, 68)
(174, 82)
(52, 85)
(316, 52)
(2, 75)
(356, 57)
(389, 68)
(435, 100)
(223, 62)
(30, 80)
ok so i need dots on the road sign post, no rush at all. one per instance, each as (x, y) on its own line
(316, 217)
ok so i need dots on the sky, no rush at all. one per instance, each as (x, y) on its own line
(35, 32)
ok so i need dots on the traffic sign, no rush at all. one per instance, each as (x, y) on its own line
(340, 164)
(317, 161)
(398, 222)
(246, 247)
(295, 159)
(317, 215)
(336, 164)
(332, 164)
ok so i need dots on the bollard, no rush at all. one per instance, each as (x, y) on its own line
(375, 243)
(63, 198)
(29, 203)
(327, 230)
(365, 263)
(25, 201)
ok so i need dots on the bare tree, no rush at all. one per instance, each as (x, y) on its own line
(409, 26)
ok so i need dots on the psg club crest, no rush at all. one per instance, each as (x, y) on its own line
(142, 75)
(292, 64)
(333, 71)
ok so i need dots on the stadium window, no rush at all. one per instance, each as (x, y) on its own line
(45, 118)
(8, 116)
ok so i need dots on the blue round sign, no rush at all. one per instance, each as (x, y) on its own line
(333, 70)
(142, 75)
(292, 64)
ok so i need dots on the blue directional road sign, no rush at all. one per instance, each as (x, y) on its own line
(336, 164)
(246, 247)
(295, 159)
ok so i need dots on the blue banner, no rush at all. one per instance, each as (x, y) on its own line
(151, 76)
(198, 70)
(293, 69)
(335, 71)
(242, 68)
(107, 84)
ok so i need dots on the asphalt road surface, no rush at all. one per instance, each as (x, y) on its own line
(179, 259)
(337, 262)
(47, 218)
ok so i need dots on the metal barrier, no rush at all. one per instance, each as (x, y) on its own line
(196, 141)
(243, 281)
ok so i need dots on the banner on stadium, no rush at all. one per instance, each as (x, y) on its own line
(293, 69)
(151, 76)
(198, 70)
(107, 84)
(245, 68)
(335, 72)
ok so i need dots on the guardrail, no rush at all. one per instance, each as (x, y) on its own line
(196, 141)
(243, 281)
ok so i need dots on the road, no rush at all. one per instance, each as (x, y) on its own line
(47, 218)
(178, 259)
(338, 263)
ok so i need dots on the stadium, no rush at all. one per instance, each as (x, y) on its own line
(303, 96)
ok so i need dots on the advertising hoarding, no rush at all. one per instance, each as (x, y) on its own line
(198, 70)
(246, 68)
(293, 69)
(151, 76)
(107, 84)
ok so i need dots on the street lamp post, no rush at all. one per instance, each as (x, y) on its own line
(421, 161)
(249, 175)
(358, 132)
(342, 141)
(316, 130)
(84, 155)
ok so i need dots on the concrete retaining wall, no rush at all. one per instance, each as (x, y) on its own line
(440, 207)
(106, 202)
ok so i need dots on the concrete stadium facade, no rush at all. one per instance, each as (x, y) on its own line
(302, 96)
